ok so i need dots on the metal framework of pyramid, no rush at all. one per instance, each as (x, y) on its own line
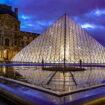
(64, 41)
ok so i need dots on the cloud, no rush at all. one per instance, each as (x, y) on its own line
(92, 26)
(99, 12)
(95, 16)
(88, 26)
(25, 17)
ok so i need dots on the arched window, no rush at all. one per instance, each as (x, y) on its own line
(22, 43)
(6, 42)
(15, 43)
(16, 27)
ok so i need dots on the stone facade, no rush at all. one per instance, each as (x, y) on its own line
(12, 40)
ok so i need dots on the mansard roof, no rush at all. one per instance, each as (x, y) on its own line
(7, 10)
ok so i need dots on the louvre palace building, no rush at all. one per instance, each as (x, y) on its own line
(12, 40)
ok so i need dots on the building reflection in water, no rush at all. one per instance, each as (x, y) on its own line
(8, 71)
(62, 81)
(57, 81)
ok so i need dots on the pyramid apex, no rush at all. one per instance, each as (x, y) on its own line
(65, 14)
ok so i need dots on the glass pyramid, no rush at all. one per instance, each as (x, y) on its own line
(64, 41)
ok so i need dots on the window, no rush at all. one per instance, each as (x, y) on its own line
(22, 43)
(6, 42)
(16, 27)
(27, 43)
(15, 43)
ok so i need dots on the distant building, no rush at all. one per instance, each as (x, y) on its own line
(12, 40)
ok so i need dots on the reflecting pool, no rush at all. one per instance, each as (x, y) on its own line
(58, 81)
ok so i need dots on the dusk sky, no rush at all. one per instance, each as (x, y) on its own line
(37, 15)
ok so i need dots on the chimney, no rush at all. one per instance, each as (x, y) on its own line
(16, 11)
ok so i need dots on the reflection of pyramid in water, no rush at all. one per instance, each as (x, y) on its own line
(63, 41)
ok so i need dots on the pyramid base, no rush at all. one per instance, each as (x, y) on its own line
(54, 68)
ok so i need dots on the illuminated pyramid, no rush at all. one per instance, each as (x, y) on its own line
(64, 41)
